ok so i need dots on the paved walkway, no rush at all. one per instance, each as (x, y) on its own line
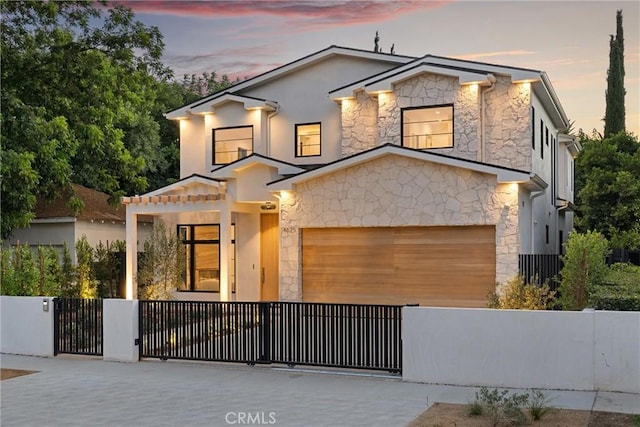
(73, 391)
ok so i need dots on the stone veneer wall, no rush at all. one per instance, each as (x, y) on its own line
(508, 125)
(397, 191)
(359, 124)
(423, 90)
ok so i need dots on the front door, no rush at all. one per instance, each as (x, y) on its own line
(269, 258)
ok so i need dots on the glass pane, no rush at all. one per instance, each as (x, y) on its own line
(184, 233)
(232, 144)
(186, 272)
(308, 143)
(428, 127)
(207, 267)
(206, 232)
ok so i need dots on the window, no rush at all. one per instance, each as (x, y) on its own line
(533, 128)
(308, 139)
(202, 260)
(427, 127)
(231, 144)
(546, 235)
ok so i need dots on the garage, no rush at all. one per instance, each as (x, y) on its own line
(453, 266)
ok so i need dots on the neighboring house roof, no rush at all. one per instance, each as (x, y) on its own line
(96, 206)
(503, 174)
(288, 68)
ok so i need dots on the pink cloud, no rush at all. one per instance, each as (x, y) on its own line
(317, 14)
(476, 56)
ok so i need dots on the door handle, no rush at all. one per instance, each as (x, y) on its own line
(262, 276)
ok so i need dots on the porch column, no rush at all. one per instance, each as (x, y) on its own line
(225, 242)
(132, 254)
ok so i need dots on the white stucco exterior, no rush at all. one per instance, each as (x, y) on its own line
(492, 175)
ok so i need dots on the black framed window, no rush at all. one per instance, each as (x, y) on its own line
(202, 257)
(427, 127)
(231, 144)
(533, 127)
(308, 139)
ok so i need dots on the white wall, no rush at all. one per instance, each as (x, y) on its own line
(120, 326)
(193, 158)
(46, 234)
(24, 327)
(586, 350)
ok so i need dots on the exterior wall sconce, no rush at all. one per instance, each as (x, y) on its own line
(268, 206)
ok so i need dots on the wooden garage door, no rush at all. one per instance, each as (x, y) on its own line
(432, 266)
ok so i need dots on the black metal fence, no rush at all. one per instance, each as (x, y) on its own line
(77, 327)
(540, 268)
(292, 333)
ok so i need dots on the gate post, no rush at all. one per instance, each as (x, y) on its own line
(264, 313)
(56, 325)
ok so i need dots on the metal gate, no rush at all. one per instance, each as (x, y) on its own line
(77, 326)
(292, 333)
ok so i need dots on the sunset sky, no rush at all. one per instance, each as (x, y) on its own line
(567, 39)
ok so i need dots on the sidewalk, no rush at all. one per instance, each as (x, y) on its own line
(89, 392)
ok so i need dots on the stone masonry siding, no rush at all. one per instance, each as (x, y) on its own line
(359, 124)
(397, 191)
(507, 127)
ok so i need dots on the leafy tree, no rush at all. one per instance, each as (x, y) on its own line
(614, 118)
(161, 271)
(76, 101)
(608, 188)
(584, 268)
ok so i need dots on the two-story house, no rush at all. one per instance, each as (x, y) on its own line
(364, 177)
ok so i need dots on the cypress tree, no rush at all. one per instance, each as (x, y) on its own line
(614, 118)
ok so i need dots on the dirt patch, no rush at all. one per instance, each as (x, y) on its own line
(449, 415)
(5, 373)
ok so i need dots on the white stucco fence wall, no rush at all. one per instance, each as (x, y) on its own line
(28, 330)
(589, 350)
(24, 327)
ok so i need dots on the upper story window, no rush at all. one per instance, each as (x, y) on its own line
(308, 139)
(533, 128)
(231, 144)
(427, 127)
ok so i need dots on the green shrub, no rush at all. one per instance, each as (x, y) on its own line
(19, 271)
(539, 405)
(67, 273)
(49, 269)
(584, 268)
(106, 268)
(620, 291)
(503, 407)
(516, 294)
